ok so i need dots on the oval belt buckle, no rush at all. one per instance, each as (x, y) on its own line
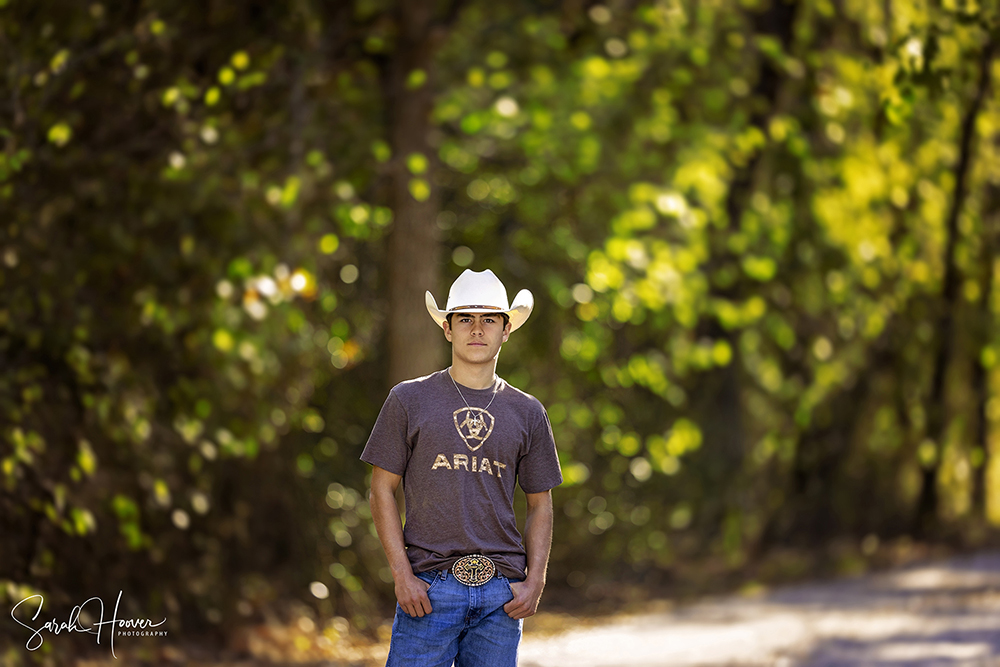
(474, 570)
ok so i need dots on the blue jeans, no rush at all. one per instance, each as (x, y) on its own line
(467, 625)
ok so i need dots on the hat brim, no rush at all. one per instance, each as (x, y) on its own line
(518, 313)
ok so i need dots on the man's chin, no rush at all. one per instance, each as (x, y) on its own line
(478, 356)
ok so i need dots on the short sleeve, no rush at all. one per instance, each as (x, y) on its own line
(538, 470)
(388, 446)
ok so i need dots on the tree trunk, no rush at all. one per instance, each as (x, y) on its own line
(937, 419)
(721, 390)
(984, 336)
(414, 248)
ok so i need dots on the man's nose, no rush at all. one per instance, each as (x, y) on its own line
(477, 327)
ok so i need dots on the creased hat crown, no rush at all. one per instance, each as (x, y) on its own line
(481, 292)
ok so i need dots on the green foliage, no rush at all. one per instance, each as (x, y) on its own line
(736, 226)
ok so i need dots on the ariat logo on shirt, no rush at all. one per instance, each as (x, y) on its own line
(461, 462)
(474, 425)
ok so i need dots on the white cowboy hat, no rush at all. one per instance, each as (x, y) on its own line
(481, 292)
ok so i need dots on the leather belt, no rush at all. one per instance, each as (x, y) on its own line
(474, 570)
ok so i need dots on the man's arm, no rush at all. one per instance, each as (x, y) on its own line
(537, 543)
(411, 592)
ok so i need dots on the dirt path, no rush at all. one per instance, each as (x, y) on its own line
(941, 615)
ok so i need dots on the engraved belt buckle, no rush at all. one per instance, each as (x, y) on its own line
(474, 570)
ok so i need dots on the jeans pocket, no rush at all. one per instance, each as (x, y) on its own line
(506, 582)
(431, 578)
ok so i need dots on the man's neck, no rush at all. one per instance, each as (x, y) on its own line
(478, 376)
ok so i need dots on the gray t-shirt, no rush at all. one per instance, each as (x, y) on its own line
(459, 467)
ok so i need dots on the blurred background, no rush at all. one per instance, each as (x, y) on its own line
(762, 237)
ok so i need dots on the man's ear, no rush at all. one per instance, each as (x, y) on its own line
(506, 332)
(447, 330)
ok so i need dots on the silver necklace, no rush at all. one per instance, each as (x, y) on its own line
(477, 421)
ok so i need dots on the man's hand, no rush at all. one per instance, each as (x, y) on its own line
(526, 596)
(411, 594)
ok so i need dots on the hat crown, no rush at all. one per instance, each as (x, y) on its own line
(478, 290)
(481, 292)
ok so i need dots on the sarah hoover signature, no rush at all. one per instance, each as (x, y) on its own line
(72, 624)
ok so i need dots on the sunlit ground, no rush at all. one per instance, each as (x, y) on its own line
(943, 614)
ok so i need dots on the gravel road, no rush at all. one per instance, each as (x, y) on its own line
(941, 615)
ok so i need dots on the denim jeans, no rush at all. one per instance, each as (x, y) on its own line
(467, 625)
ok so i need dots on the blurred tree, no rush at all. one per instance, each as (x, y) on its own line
(414, 247)
(947, 344)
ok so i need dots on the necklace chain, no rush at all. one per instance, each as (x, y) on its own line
(478, 419)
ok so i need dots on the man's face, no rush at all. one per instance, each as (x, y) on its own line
(476, 337)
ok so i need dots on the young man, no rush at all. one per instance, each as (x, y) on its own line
(459, 440)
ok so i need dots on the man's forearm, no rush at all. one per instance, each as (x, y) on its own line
(538, 537)
(385, 514)
(537, 543)
(411, 592)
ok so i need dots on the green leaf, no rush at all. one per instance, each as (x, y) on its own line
(419, 189)
(60, 134)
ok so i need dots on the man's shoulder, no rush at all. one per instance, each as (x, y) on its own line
(410, 389)
(521, 397)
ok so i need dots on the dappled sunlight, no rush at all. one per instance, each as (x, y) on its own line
(918, 614)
